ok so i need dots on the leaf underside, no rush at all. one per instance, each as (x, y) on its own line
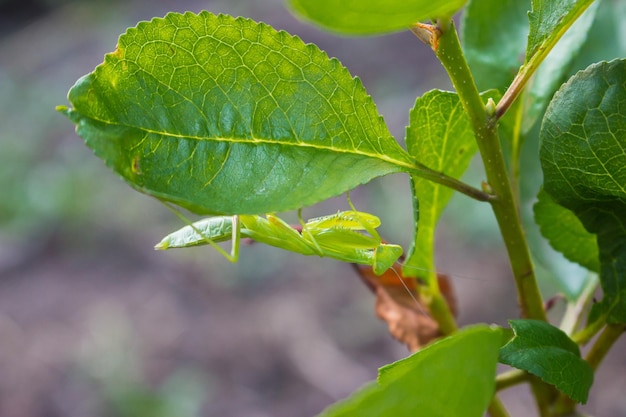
(369, 17)
(566, 233)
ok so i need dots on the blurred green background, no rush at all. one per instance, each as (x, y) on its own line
(93, 322)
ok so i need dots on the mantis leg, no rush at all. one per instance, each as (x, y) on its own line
(234, 249)
(272, 230)
(308, 237)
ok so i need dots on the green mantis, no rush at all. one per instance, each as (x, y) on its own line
(348, 236)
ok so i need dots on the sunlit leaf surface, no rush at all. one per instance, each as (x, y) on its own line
(439, 136)
(229, 116)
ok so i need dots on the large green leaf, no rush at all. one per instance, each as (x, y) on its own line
(440, 137)
(366, 17)
(565, 232)
(229, 116)
(451, 377)
(494, 34)
(546, 351)
(583, 156)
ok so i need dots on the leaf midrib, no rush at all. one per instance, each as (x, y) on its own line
(257, 141)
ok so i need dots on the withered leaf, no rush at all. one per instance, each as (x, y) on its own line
(398, 303)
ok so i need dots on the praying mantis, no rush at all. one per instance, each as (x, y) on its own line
(348, 236)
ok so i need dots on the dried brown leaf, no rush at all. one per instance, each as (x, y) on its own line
(398, 303)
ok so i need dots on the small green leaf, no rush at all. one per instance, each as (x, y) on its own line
(428, 383)
(439, 136)
(547, 352)
(583, 142)
(553, 70)
(549, 19)
(487, 26)
(367, 17)
(229, 116)
(565, 232)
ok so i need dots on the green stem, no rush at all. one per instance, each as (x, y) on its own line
(544, 395)
(511, 378)
(448, 49)
(574, 313)
(603, 344)
(496, 408)
(591, 329)
(516, 149)
(586, 334)
(484, 123)
(441, 313)
(443, 179)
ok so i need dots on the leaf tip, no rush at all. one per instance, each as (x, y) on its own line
(162, 245)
